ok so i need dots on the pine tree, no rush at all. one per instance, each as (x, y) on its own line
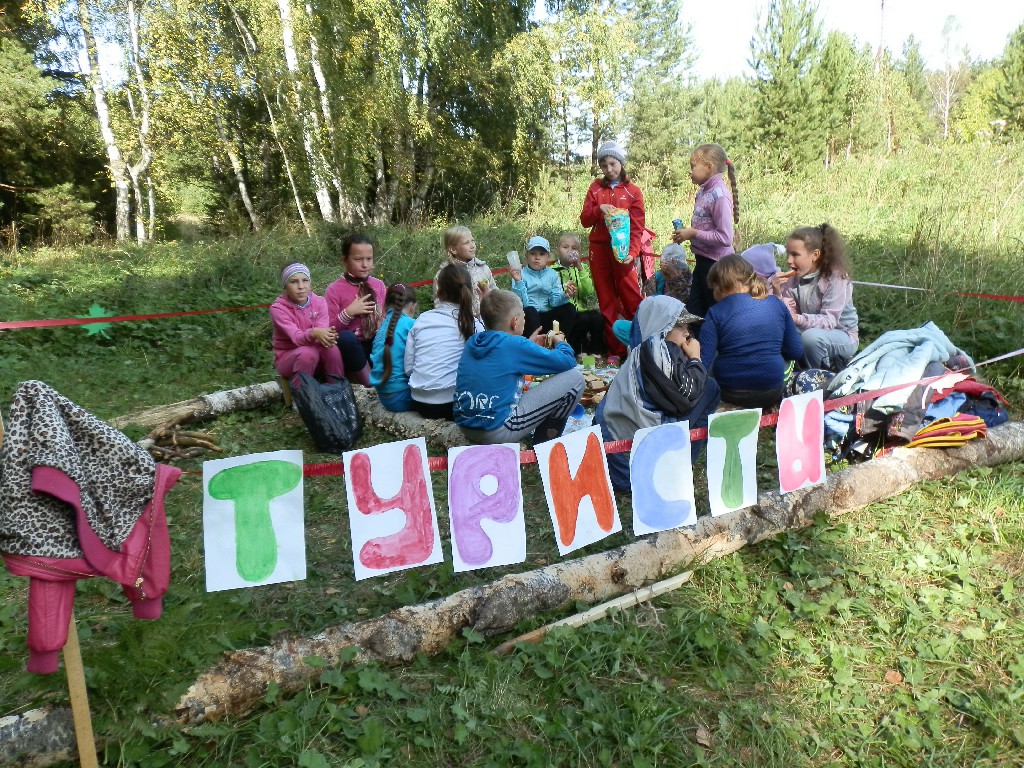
(787, 107)
(1008, 100)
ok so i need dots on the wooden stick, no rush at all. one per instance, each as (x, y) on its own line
(599, 611)
(79, 698)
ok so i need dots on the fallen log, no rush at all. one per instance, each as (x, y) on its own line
(238, 684)
(203, 407)
(439, 432)
(37, 738)
(443, 434)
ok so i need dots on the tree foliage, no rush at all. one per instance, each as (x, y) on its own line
(248, 112)
(788, 128)
(1008, 98)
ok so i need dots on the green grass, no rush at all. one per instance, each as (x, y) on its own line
(780, 652)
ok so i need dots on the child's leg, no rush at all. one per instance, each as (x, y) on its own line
(353, 358)
(544, 408)
(587, 333)
(305, 358)
(828, 349)
(701, 297)
(627, 286)
(330, 363)
(533, 321)
(564, 314)
(602, 266)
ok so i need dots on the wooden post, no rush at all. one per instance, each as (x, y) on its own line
(79, 698)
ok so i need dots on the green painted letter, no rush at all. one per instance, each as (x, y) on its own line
(251, 487)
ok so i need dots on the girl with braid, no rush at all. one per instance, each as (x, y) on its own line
(355, 303)
(387, 361)
(436, 341)
(715, 212)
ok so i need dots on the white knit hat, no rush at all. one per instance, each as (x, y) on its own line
(611, 149)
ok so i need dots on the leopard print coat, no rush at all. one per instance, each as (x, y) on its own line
(114, 475)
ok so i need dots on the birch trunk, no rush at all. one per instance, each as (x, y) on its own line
(238, 170)
(141, 167)
(239, 683)
(249, 44)
(115, 160)
(307, 121)
(204, 407)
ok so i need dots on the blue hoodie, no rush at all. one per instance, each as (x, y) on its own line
(491, 371)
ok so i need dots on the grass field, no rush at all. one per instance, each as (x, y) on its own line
(892, 637)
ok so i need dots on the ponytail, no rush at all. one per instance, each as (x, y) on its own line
(716, 157)
(398, 298)
(735, 192)
(467, 326)
(456, 286)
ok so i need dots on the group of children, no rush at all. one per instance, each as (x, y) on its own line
(732, 329)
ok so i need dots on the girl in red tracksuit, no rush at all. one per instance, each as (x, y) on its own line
(617, 284)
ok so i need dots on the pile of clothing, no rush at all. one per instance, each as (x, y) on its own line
(945, 412)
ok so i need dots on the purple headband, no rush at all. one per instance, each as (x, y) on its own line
(293, 269)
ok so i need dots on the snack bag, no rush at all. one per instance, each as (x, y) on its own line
(618, 227)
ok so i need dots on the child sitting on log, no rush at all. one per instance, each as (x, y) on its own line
(747, 336)
(387, 361)
(302, 337)
(661, 382)
(540, 289)
(436, 341)
(494, 402)
(587, 331)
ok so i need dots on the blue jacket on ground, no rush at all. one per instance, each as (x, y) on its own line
(745, 342)
(541, 289)
(491, 371)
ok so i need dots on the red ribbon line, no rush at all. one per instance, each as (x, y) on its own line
(116, 318)
(990, 296)
(15, 324)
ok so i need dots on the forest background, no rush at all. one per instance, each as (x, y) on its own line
(224, 137)
(146, 120)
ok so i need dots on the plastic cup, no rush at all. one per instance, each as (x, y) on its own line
(589, 362)
(513, 259)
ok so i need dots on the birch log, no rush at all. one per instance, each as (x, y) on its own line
(439, 432)
(204, 406)
(238, 684)
(37, 738)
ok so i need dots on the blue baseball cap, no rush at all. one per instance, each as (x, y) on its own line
(538, 242)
